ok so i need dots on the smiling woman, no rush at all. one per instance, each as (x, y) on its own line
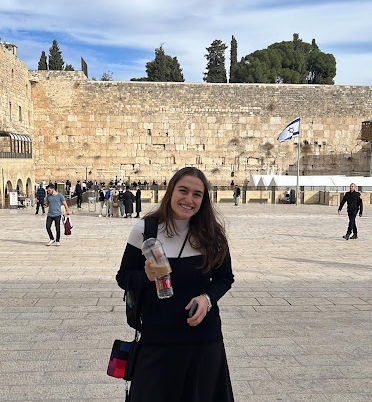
(184, 352)
(187, 197)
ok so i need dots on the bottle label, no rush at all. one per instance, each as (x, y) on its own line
(164, 284)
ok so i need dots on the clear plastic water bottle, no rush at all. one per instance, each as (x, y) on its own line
(153, 249)
(164, 287)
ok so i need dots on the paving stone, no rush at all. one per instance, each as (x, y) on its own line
(297, 321)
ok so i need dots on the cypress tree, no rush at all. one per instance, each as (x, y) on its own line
(55, 57)
(233, 57)
(163, 68)
(216, 71)
(176, 71)
(43, 65)
(157, 69)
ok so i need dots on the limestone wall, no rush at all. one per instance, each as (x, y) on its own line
(16, 116)
(15, 93)
(138, 130)
(15, 172)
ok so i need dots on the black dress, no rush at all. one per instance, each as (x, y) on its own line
(128, 202)
(177, 362)
(138, 201)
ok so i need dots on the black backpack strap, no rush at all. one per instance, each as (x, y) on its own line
(151, 228)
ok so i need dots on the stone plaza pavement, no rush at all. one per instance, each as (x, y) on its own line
(297, 323)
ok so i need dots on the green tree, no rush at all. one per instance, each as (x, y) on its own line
(55, 57)
(157, 68)
(69, 67)
(163, 68)
(321, 68)
(233, 58)
(175, 71)
(216, 71)
(295, 62)
(139, 79)
(43, 64)
(107, 76)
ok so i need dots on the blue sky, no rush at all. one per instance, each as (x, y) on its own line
(120, 36)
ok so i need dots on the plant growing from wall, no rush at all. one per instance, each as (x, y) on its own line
(267, 148)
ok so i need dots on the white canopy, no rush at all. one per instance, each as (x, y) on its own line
(254, 179)
(265, 180)
(345, 181)
(330, 182)
(304, 181)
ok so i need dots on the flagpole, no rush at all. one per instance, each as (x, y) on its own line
(298, 162)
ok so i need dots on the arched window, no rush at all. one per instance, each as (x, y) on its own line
(20, 113)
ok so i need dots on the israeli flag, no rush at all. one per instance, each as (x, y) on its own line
(292, 129)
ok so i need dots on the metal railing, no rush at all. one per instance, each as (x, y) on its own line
(15, 155)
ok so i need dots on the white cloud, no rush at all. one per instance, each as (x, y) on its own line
(185, 28)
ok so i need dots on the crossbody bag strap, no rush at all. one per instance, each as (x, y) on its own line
(183, 245)
(151, 228)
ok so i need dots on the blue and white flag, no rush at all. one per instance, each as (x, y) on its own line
(292, 129)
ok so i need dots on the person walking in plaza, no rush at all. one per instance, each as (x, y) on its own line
(128, 202)
(109, 197)
(54, 201)
(79, 194)
(40, 196)
(121, 203)
(236, 194)
(183, 354)
(138, 201)
(354, 204)
(101, 199)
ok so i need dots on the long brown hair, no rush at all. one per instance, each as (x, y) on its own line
(206, 233)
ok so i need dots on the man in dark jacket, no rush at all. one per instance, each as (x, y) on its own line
(40, 196)
(79, 194)
(236, 194)
(128, 202)
(138, 201)
(354, 204)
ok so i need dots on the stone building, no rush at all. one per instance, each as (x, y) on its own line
(17, 167)
(146, 131)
